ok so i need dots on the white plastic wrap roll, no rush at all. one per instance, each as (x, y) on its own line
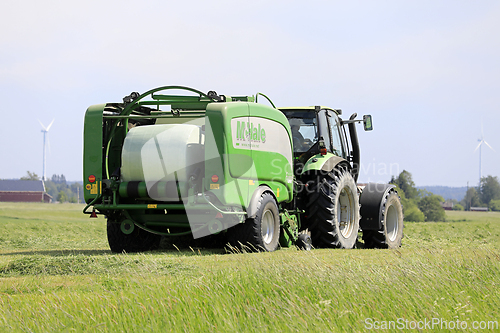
(161, 152)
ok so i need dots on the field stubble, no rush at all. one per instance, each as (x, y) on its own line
(57, 274)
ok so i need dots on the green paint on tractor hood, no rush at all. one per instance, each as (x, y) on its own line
(323, 162)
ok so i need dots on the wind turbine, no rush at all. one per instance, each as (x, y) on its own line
(481, 142)
(45, 130)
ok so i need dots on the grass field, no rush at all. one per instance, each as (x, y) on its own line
(57, 274)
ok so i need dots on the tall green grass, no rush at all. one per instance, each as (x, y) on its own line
(54, 227)
(67, 280)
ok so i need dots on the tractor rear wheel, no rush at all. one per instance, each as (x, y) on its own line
(332, 210)
(262, 232)
(390, 234)
(137, 241)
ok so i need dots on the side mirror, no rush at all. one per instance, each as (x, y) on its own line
(367, 122)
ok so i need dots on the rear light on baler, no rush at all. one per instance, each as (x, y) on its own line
(215, 178)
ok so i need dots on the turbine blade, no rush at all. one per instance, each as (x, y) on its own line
(48, 127)
(480, 143)
(41, 124)
(489, 145)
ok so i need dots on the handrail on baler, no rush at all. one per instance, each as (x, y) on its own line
(129, 108)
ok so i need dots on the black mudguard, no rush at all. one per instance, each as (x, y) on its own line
(252, 206)
(371, 205)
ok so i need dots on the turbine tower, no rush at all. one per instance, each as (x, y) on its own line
(481, 142)
(45, 130)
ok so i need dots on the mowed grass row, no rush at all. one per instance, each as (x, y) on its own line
(57, 274)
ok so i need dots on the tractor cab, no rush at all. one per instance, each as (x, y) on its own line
(316, 130)
(319, 131)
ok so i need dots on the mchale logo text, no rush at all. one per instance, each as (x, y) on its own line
(250, 132)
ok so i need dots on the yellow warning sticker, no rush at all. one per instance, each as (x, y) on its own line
(214, 186)
(152, 206)
(93, 190)
(278, 192)
(251, 182)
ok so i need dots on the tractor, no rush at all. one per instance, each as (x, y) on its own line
(204, 165)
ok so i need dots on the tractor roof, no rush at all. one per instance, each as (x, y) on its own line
(309, 108)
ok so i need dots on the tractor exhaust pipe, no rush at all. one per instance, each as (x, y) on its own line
(355, 148)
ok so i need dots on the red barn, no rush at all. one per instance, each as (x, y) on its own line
(23, 191)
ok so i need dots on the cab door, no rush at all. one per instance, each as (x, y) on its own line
(337, 143)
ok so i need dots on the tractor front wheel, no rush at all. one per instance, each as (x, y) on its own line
(390, 235)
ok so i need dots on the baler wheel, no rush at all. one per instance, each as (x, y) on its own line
(137, 241)
(260, 233)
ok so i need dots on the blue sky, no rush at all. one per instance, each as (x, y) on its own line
(427, 71)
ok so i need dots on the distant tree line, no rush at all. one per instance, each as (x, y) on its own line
(30, 176)
(486, 195)
(58, 188)
(421, 205)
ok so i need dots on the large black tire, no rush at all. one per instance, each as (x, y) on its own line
(137, 241)
(332, 210)
(390, 235)
(261, 233)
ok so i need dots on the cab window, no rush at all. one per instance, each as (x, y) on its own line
(304, 130)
